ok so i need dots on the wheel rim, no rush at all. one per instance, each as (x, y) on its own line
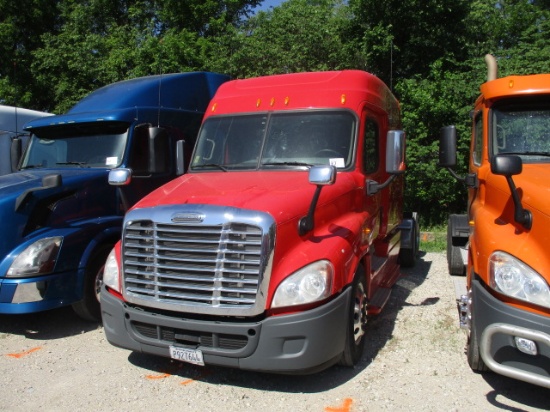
(359, 313)
(98, 282)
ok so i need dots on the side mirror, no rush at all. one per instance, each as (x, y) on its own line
(319, 176)
(158, 150)
(447, 147)
(447, 156)
(395, 161)
(180, 157)
(15, 153)
(120, 177)
(322, 175)
(506, 165)
(395, 152)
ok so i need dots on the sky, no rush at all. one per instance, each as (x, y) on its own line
(266, 4)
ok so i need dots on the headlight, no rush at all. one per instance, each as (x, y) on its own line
(111, 273)
(309, 284)
(37, 259)
(514, 278)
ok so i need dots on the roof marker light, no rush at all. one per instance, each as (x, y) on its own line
(258, 102)
(343, 99)
(287, 100)
(511, 84)
(214, 106)
(272, 102)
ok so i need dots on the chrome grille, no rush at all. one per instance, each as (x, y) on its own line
(199, 265)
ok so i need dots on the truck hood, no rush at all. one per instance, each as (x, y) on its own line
(79, 186)
(283, 194)
(534, 184)
(13, 184)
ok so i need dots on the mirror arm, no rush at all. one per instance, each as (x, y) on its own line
(470, 180)
(374, 187)
(521, 215)
(305, 224)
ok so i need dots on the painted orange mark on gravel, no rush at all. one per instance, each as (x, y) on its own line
(25, 353)
(200, 376)
(161, 376)
(344, 408)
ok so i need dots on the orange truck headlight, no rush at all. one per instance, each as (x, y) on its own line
(511, 277)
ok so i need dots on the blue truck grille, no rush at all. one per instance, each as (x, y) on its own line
(193, 264)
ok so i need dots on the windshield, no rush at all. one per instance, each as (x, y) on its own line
(77, 146)
(522, 128)
(278, 140)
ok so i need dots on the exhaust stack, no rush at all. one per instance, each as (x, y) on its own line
(491, 67)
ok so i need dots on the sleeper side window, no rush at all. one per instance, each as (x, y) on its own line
(371, 157)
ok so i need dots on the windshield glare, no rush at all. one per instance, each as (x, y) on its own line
(278, 140)
(101, 150)
(524, 130)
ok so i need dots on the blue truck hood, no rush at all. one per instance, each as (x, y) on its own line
(79, 187)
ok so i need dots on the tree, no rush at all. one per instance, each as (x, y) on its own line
(517, 33)
(402, 38)
(299, 35)
(22, 23)
(103, 41)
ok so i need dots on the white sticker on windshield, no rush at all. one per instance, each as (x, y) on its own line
(111, 161)
(337, 161)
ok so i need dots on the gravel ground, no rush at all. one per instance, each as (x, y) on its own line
(413, 361)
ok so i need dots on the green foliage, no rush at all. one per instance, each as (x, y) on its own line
(441, 99)
(433, 238)
(300, 35)
(429, 52)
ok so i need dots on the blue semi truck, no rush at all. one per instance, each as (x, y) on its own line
(62, 211)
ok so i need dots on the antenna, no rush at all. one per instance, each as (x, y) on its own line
(16, 102)
(160, 87)
(391, 65)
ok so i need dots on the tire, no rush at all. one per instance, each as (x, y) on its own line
(472, 350)
(89, 308)
(356, 322)
(407, 256)
(454, 256)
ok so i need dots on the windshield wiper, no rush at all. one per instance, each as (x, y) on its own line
(287, 164)
(81, 164)
(546, 154)
(32, 167)
(209, 165)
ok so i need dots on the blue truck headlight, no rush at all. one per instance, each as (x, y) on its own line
(309, 284)
(37, 259)
(514, 278)
(111, 273)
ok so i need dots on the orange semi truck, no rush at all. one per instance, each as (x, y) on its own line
(285, 235)
(506, 231)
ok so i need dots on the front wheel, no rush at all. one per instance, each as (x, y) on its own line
(472, 351)
(407, 256)
(356, 322)
(89, 308)
(454, 256)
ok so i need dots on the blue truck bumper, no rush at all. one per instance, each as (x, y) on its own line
(38, 294)
(303, 342)
(498, 325)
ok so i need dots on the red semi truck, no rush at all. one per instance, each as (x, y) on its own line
(504, 236)
(285, 235)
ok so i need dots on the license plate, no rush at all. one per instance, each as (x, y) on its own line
(193, 356)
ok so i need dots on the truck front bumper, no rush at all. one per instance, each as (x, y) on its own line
(39, 293)
(498, 325)
(303, 342)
